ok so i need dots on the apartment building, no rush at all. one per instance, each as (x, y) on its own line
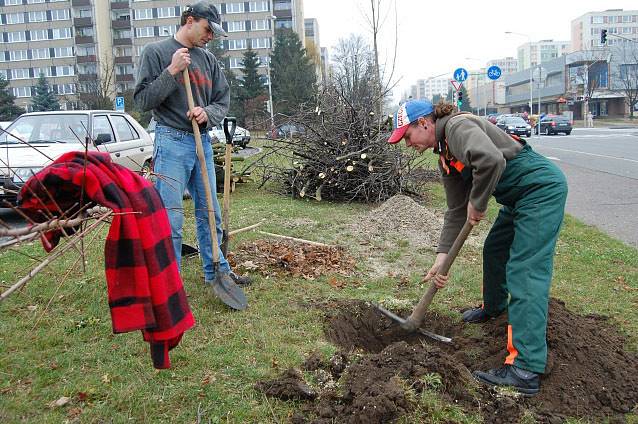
(621, 26)
(532, 53)
(427, 88)
(80, 43)
(313, 45)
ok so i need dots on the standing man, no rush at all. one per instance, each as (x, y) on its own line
(160, 88)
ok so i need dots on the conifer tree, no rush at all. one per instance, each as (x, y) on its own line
(44, 99)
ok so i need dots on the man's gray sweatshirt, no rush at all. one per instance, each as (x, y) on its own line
(157, 90)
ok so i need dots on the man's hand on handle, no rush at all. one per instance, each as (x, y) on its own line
(181, 60)
(439, 280)
(473, 215)
(199, 114)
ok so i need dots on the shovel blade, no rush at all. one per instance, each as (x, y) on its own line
(228, 292)
(404, 323)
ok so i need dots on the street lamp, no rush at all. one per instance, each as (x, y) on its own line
(270, 103)
(531, 68)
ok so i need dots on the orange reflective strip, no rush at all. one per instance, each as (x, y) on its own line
(457, 165)
(510, 347)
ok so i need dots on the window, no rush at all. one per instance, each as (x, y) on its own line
(283, 24)
(38, 16)
(87, 68)
(145, 32)
(235, 26)
(12, 2)
(16, 37)
(64, 71)
(259, 24)
(123, 129)
(260, 43)
(84, 32)
(235, 8)
(143, 14)
(283, 5)
(597, 20)
(46, 71)
(121, 51)
(15, 18)
(166, 12)
(626, 19)
(39, 34)
(101, 126)
(124, 69)
(65, 88)
(165, 30)
(63, 51)
(22, 91)
(235, 62)
(85, 51)
(60, 33)
(15, 55)
(20, 73)
(34, 1)
(236, 44)
(119, 34)
(60, 15)
(40, 53)
(258, 6)
(626, 30)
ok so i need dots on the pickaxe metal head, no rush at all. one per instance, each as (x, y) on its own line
(409, 325)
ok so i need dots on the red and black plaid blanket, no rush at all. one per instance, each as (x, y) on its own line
(145, 290)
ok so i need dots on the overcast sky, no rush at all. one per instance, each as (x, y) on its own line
(436, 37)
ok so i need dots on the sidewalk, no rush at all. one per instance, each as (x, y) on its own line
(618, 123)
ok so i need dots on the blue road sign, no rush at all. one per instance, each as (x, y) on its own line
(119, 104)
(460, 74)
(494, 72)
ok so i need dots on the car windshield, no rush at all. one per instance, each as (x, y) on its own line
(47, 128)
(515, 121)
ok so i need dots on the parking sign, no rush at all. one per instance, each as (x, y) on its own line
(119, 104)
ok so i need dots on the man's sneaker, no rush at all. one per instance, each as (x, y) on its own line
(241, 280)
(477, 316)
(523, 381)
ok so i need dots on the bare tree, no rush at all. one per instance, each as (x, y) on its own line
(625, 73)
(97, 91)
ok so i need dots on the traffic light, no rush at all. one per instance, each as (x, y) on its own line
(460, 99)
(603, 36)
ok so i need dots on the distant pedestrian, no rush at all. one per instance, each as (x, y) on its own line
(478, 160)
(590, 120)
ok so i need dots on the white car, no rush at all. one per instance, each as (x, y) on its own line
(44, 136)
(4, 124)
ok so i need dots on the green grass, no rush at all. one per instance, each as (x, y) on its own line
(68, 349)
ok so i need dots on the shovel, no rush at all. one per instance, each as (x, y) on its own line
(229, 133)
(414, 321)
(223, 286)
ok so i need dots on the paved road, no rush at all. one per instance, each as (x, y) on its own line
(601, 166)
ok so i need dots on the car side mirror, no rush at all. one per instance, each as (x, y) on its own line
(103, 138)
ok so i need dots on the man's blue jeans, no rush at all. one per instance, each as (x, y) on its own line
(177, 167)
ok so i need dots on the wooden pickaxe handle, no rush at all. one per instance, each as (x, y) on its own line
(415, 319)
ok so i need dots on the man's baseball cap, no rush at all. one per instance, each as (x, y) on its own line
(206, 10)
(407, 113)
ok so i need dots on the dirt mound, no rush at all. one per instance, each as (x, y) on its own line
(402, 218)
(290, 386)
(288, 258)
(589, 375)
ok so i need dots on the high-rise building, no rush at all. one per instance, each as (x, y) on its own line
(586, 28)
(533, 53)
(313, 45)
(88, 45)
(427, 88)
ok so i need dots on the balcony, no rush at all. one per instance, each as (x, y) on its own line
(87, 77)
(283, 14)
(84, 39)
(117, 5)
(122, 41)
(87, 59)
(78, 3)
(124, 60)
(121, 24)
(125, 78)
(82, 22)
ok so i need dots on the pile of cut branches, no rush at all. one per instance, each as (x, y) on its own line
(339, 152)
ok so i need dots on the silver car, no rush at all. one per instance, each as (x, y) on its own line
(34, 140)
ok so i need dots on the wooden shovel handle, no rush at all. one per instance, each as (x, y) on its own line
(202, 164)
(415, 320)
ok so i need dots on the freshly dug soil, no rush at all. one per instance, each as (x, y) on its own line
(589, 375)
(289, 258)
(290, 386)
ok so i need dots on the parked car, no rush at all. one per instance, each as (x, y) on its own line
(514, 125)
(241, 137)
(554, 124)
(51, 134)
(288, 130)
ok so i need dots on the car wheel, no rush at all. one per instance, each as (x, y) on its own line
(568, 132)
(529, 134)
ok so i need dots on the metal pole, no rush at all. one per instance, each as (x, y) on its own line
(538, 122)
(272, 107)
